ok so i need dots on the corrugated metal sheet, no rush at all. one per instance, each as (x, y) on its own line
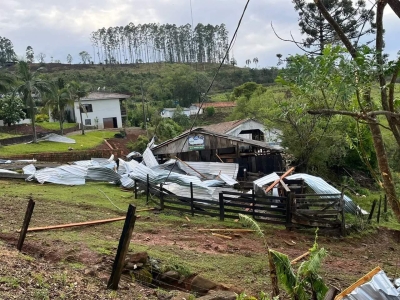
(213, 168)
(227, 179)
(29, 169)
(149, 158)
(127, 182)
(58, 176)
(100, 173)
(52, 137)
(317, 184)
(378, 288)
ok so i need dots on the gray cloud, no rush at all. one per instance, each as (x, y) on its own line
(57, 28)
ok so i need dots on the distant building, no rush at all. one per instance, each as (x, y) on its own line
(102, 110)
(195, 108)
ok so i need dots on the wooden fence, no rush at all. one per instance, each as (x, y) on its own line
(293, 210)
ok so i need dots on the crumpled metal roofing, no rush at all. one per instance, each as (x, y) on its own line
(227, 179)
(29, 169)
(52, 137)
(57, 176)
(101, 173)
(149, 158)
(317, 184)
(378, 288)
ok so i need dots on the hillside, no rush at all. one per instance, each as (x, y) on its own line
(160, 81)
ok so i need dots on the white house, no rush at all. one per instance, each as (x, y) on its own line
(103, 110)
(169, 112)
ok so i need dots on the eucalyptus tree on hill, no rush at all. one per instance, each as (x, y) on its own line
(7, 53)
(30, 87)
(30, 55)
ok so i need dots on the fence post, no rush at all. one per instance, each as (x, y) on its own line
(135, 188)
(289, 210)
(379, 209)
(385, 204)
(253, 203)
(27, 219)
(343, 223)
(221, 206)
(372, 211)
(147, 189)
(161, 197)
(123, 247)
(191, 199)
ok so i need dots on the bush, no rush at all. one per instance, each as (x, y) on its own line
(42, 118)
(210, 111)
(139, 145)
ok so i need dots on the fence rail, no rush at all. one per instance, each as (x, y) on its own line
(294, 210)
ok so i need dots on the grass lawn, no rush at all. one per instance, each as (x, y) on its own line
(83, 142)
(55, 125)
(4, 135)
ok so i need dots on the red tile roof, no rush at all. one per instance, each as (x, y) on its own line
(217, 104)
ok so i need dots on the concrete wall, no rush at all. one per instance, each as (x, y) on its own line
(101, 109)
(168, 113)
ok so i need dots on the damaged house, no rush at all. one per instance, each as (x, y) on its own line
(207, 146)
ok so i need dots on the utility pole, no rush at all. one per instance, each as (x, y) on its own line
(144, 113)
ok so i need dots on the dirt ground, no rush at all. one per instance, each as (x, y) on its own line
(121, 143)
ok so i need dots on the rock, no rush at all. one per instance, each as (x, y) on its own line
(140, 257)
(201, 285)
(132, 266)
(178, 295)
(170, 276)
(90, 271)
(219, 295)
(143, 276)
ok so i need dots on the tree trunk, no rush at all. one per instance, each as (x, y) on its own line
(80, 113)
(384, 169)
(33, 122)
(273, 276)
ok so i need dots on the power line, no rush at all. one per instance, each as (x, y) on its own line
(212, 81)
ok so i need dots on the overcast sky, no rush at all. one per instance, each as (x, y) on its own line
(57, 27)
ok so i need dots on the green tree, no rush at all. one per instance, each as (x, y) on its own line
(350, 16)
(180, 118)
(30, 86)
(85, 56)
(6, 81)
(77, 91)
(7, 53)
(57, 101)
(30, 55)
(69, 58)
(247, 89)
(11, 109)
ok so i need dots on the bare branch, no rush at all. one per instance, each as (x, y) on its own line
(358, 115)
(292, 41)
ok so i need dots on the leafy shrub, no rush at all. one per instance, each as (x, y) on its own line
(210, 111)
(139, 145)
(42, 118)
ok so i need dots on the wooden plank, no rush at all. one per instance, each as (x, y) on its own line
(226, 229)
(123, 247)
(316, 195)
(177, 208)
(318, 212)
(285, 187)
(255, 213)
(331, 293)
(25, 224)
(278, 180)
(359, 282)
(221, 236)
(166, 200)
(294, 261)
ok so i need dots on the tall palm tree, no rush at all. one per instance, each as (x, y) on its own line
(255, 60)
(29, 86)
(58, 99)
(78, 91)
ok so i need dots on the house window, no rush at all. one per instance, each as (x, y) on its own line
(88, 122)
(88, 108)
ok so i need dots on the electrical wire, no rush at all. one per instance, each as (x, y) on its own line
(212, 82)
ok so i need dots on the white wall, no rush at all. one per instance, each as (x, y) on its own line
(169, 113)
(101, 109)
(194, 109)
(271, 136)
